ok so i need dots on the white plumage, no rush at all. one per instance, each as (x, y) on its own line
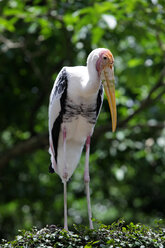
(75, 103)
(78, 128)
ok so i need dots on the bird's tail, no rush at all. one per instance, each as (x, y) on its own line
(51, 170)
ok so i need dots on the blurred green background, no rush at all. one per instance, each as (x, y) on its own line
(39, 37)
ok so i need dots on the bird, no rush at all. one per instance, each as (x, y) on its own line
(74, 106)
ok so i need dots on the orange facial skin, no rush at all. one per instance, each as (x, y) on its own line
(105, 59)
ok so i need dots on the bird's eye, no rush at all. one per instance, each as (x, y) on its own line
(104, 57)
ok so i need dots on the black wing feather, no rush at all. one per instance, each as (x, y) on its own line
(99, 101)
(60, 90)
(61, 85)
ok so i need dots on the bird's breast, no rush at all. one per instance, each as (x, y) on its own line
(79, 119)
(75, 110)
(78, 129)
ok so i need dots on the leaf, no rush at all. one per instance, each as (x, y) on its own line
(135, 62)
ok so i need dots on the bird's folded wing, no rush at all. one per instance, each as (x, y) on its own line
(56, 109)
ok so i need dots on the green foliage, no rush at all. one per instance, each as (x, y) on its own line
(115, 235)
(37, 38)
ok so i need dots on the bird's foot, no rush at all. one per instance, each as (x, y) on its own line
(66, 227)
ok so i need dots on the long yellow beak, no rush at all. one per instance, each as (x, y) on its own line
(109, 87)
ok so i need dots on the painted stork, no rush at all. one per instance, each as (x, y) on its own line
(75, 103)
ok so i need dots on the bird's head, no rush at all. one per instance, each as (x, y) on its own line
(104, 65)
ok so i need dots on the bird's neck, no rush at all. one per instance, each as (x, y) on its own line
(93, 84)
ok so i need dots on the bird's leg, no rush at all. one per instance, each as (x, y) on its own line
(65, 207)
(65, 175)
(87, 180)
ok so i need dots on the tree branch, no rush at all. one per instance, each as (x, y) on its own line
(8, 44)
(147, 101)
(30, 145)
